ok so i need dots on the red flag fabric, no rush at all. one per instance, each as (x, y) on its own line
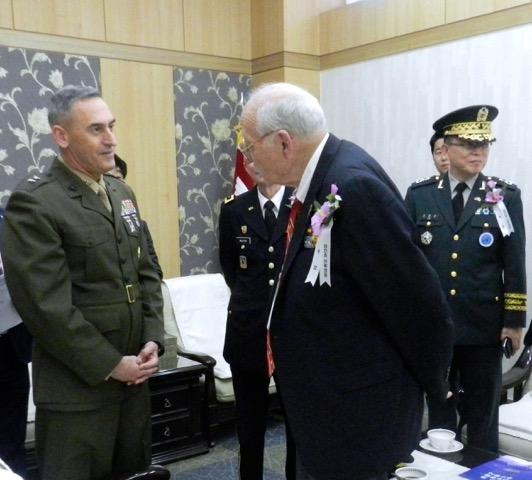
(242, 181)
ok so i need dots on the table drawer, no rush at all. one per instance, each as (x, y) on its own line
(170, 401)
(170, 429)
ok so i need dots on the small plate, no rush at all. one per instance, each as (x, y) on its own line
(456, 446)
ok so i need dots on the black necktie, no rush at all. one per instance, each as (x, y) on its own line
(458, 200)
(269, 217)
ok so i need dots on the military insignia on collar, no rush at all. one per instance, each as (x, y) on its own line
(426, 238)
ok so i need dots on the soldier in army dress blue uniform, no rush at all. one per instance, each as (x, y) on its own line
(252, 243)
(472, 231)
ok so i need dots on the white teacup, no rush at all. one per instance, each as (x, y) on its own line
(409, 473)
(441, 438)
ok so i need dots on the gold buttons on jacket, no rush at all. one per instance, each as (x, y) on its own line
(271, 265)
(454, 274)
(452, 292)
(270, 249)
(456, 237)
(454, 255)
(486, 225)
(271, 282)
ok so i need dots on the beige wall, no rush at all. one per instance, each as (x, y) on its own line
(371, 28)
(136, 22)
(6, 14)
(145, 132)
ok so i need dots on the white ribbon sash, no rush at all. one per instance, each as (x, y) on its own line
(503, 218)
(321, 259)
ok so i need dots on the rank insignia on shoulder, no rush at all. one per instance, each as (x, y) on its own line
(34, 179)
(229, 199)
(426, 181)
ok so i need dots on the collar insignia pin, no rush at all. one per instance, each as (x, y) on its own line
(426, 238)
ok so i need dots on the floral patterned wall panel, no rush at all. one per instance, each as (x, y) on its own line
(28, 79)
(207, 108)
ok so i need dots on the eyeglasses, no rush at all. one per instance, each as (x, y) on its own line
(246, 149)
(471, 145)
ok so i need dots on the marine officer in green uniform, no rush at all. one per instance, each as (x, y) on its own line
(471, 229)
(78, 272)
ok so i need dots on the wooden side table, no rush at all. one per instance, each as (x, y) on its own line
(178, 427)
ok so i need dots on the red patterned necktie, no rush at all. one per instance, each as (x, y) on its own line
(292, 219)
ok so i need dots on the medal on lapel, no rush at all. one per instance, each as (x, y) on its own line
(310, 240)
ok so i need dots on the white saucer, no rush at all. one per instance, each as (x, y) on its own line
(456, 446)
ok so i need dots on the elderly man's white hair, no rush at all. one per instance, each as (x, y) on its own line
(283, 106)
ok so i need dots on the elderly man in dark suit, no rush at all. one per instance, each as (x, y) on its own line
(359, 326)
(252, 235)
(472, 232)
(78, 272)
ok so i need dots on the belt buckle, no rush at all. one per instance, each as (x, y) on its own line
(130, 294)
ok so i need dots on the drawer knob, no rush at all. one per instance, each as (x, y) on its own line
(167, 432)
(167, 403)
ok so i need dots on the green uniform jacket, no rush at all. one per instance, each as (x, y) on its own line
(82, 282)
(485, 284)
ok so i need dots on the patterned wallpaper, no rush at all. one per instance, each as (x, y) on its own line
(27, 80)
(207, 108)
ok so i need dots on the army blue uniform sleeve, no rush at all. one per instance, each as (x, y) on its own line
(515, 298)
(228, 254)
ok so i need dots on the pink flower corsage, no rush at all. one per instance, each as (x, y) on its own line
(493, 195)
(324, 213)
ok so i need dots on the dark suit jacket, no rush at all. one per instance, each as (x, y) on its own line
(353, 358)
(250, 264)
(68, 261)
(485, 286)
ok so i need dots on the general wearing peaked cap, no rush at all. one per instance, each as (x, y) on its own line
(470, 123)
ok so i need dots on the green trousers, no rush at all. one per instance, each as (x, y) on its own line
(105, 443)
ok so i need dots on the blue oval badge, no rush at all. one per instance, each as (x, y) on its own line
(486, 239)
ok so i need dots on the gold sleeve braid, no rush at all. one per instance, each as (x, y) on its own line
(515, 302)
